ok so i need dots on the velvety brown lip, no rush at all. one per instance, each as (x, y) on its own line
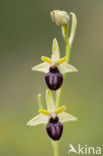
(54, 78)
(54, 129)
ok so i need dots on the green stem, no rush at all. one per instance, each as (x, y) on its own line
(55, 148)
(39, 101)
(67, 54)
(68, 40)
(59, 92)
(58, 97)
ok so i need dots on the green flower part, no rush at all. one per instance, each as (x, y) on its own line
(60, 18)
(51, 112)
(55, 61)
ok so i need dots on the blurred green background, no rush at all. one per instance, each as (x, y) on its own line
(26, 33)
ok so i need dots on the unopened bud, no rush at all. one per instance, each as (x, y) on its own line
(60, 18)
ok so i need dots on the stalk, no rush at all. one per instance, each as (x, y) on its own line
(55, 148)
(68, 40)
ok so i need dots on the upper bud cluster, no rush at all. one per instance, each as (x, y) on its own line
(60, 18)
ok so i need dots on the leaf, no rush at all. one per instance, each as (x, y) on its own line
(73, 27)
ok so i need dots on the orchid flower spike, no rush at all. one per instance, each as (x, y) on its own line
(52, 117)
(54, 68)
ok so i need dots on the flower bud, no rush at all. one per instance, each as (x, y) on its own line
(60, 18)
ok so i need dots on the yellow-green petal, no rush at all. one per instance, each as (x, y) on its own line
(65, 68)
(37, 120)
(62, 60)
(46, 59)
(43, 67)
(59, 110)
(44, 112)
(55, 51)
(65, 117)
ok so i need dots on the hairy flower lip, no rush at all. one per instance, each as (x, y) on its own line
(54, 129)
(54, 78)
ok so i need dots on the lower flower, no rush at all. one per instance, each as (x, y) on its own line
(53, 118)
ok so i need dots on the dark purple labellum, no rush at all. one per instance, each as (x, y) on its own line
(54, 78)
(54, 128)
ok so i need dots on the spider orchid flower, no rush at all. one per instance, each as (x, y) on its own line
(53, 118)
(54, 68)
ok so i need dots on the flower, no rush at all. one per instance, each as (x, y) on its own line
(54, 61)
(55, 66)
(52, 115)
(60, 18)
